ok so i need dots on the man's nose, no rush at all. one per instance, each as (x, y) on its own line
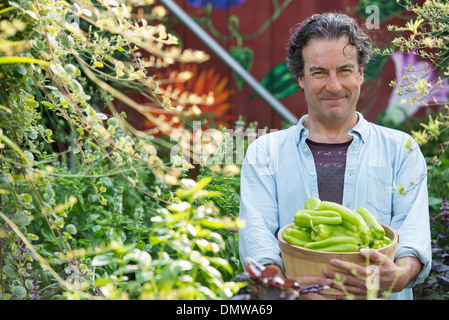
(333, 83)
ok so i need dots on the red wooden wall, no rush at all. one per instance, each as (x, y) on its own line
(268, 49)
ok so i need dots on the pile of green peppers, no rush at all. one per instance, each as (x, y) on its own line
(330, 227)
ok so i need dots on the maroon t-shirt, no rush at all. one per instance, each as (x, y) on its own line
(330, 163)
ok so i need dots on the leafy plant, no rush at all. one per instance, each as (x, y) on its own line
(437, 285)
(90, 207)
(179, 260)
(427, 37)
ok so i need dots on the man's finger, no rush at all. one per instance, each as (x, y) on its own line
(345, 278)
(348, 267)
(309, 281)
(374, 256)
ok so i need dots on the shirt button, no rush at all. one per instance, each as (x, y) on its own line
(306, 150)
(312, 173)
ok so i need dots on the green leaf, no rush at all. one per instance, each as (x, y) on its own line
(98, 64)
(32, 236)
(20, 69)
(32, 14)
(155, 240)
(27, 197)
(211, 194)
(10, 60)
(102, 260)
(387, 8)
(48, 104)
(21, 219)
(244, 56)
(29, 284)
(212, 223)
(168, 277)
(6, 10)
(19, 291)
(279, 82)
(32, 103)
(220, 262)
(375, 67)
(202, 183)
(71, 229)
(101, 282)
(71, 69)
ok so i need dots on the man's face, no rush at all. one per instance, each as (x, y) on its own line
(331, 80)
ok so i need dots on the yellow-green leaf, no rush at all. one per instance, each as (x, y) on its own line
(10, 60)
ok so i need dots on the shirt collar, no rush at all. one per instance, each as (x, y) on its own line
(360, 129)
(301, 131)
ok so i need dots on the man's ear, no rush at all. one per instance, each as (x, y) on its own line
(361, 72)
(301, 80)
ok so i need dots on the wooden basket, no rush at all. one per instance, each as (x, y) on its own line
(299, 261)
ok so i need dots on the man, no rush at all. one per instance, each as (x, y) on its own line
(334, 154)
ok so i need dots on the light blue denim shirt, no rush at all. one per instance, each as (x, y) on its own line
(278, 176)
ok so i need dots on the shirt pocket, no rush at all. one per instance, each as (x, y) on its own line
(380, 188)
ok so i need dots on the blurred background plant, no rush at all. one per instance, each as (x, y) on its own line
(92, 207)
(426, 36)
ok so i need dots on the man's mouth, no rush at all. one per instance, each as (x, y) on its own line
(334, 98)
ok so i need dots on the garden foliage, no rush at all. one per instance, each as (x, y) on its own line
(426, 36)
(90, 206)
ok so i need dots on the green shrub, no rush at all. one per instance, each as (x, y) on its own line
(426, 35)
(90, 207)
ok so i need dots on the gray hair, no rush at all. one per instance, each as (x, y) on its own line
(328, 26)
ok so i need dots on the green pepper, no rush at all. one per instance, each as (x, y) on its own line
(380, 243)
(374, 225)
(296, 236)
(341, 230)
(310, 218)
(349, 217)
(333, 242)
(345, 247)
(324, 231)
(349, 226)
(321, 232)
(313, 203)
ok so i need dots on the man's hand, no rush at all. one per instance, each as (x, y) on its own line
(309, 281)
(305, 282)
(382, 274)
